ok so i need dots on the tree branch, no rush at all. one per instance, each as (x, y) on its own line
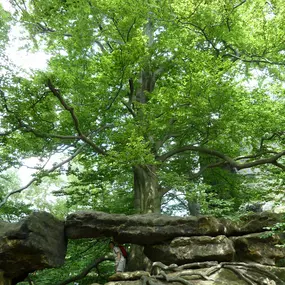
(225, 159)
(132, 112)
(270, 160)
(249, 58)
(119, 89)
(203, 169)
(70, 109)
(43, 135)
(86, 270)
(196, 149)
(254, 59)
(41, 174)
(130, 28)
(239, 4)
(45, 29)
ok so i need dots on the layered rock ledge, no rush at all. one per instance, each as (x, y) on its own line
(154, 228)
(39, 241)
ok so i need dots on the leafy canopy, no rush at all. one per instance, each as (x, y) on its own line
(150, 83)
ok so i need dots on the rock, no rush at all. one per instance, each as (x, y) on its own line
(136, 275)
(251, 223)
(222, 274)
(124, 282)
(138, 229)
(39, 242)
(189, 249)
(155, 228)
(33, 243)
(258, 247)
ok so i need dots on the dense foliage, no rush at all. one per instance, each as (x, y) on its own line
(162, 92)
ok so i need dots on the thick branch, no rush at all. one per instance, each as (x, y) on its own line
(86, 270)
(203, 169)
(41, 174)
(270, 160)
(45, 29)
(44, 135)
(196, 149)
(132, 112)
(225, 159)
(239, 4)
(70, 109)
(254, 59)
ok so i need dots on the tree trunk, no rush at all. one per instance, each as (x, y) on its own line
(146, 189)
(147, 200)
(193, 207)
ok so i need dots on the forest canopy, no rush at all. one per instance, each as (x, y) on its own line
(161, 105)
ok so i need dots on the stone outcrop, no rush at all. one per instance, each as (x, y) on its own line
(251, 223)
(39, 241)
(153, 228)
(34, 243)
(136, 275)
(192, 249)
(138, 229)
(262, 248)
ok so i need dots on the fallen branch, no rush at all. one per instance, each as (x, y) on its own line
(86, 270)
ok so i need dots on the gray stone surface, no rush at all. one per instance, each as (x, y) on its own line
(259, 248)
(39, 241)
(138, 229)
(154, 228)
(251, 223)
(189, 249)
(135, 275)
(34, 243)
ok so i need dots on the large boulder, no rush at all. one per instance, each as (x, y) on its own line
(189, 249)
(33, 243)
(263, 248)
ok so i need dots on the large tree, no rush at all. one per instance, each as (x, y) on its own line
(152, 90)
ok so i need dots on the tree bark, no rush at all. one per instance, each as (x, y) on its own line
(146, 189)
(147, 200)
